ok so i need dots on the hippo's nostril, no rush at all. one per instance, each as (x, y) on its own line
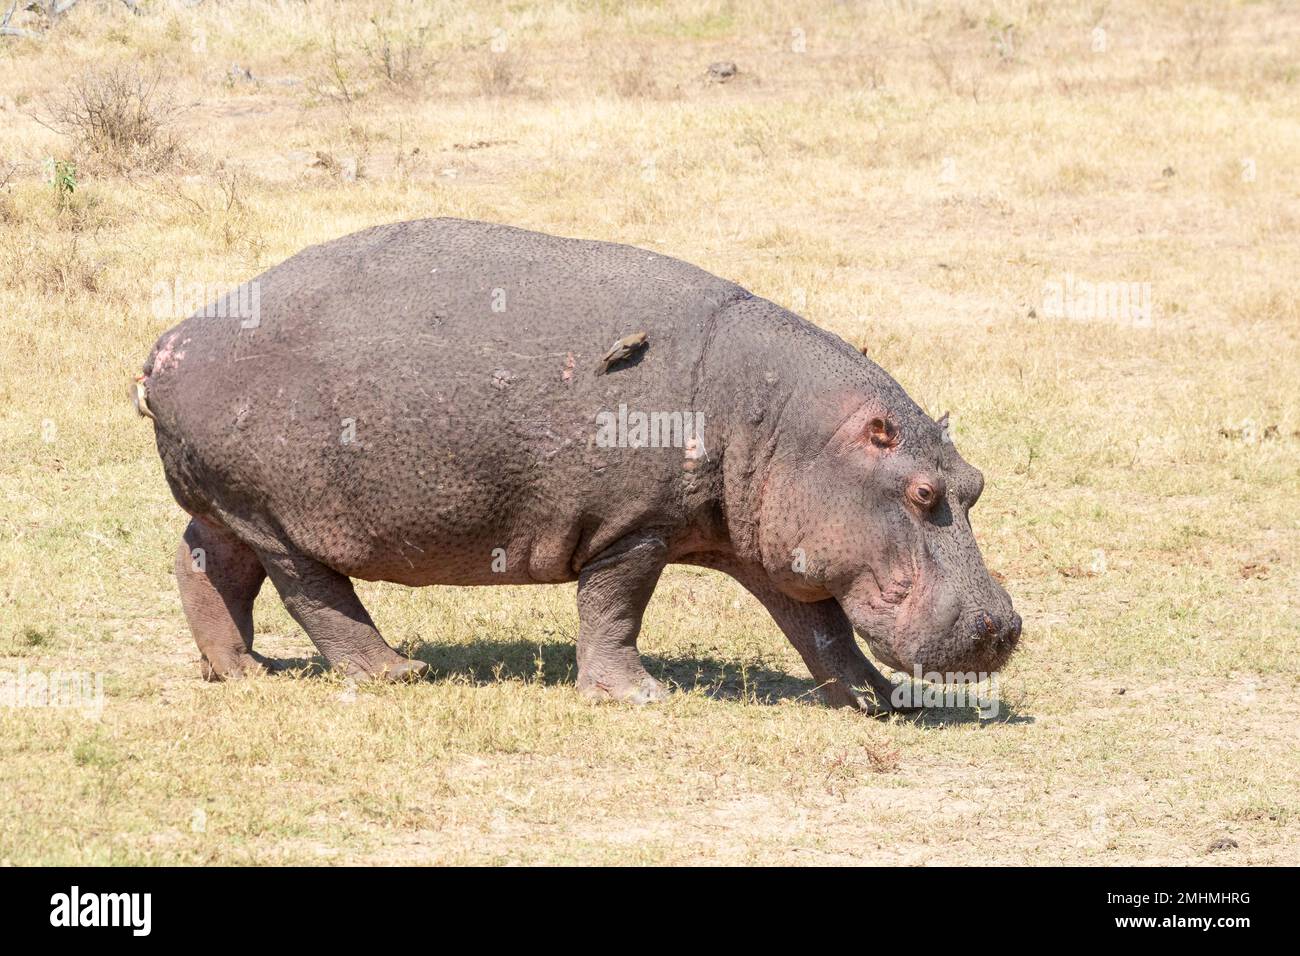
(1008, 634)
(1003, 632)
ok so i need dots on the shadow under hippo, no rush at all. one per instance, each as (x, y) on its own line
(483, 663)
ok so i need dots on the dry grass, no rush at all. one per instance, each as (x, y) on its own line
(914, 180)
(118, 117)
(500, 72)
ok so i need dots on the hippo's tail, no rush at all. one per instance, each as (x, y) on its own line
(139, 390)
(140, 396)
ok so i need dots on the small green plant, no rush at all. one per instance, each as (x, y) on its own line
(398, 56)
(95, 752)
(337, 83)
(35, 637)
(63, 177)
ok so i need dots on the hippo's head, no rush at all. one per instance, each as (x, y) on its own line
(878, 518)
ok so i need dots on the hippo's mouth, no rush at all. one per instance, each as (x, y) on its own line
(904, 631)
(944, 650)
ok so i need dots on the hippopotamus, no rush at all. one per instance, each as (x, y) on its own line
(416, 403)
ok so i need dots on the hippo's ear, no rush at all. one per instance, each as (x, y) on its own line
(882, 433)
(943, 428)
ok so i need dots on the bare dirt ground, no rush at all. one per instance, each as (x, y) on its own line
(949, 186)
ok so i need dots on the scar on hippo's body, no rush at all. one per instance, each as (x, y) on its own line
(167, 355)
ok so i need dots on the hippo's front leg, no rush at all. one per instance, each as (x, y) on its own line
(823, 636)
(613, 590)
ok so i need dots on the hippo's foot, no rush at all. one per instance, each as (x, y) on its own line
(631, 688)
(398, 670)
(235, 666)
(871, 700)
(823, 636)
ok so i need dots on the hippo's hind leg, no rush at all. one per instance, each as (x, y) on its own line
(613, 591)
(219, 577)
(325, 605)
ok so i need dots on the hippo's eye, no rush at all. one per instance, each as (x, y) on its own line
(924, 494)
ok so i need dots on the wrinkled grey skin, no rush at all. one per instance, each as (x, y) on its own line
(416, 395)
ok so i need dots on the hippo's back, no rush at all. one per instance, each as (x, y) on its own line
(428, 382)
(452, 283)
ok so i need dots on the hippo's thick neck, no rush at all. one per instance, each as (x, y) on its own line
(781, 387)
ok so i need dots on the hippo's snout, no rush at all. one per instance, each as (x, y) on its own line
(939, 629)
(981, 639)
(983, 645)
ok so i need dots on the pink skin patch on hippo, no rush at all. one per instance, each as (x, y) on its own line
(167, 356)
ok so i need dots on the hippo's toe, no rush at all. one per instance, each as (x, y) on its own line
(647, 691)
(638, 690)
(234, 667)
(404, 671)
